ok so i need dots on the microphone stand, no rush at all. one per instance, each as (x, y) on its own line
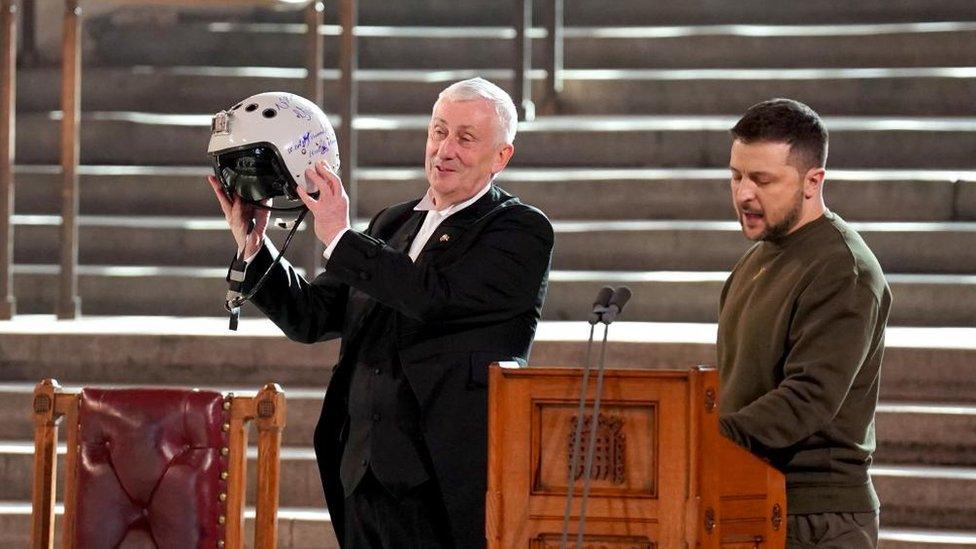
(599, 307)
(605, 315)
(591, 444)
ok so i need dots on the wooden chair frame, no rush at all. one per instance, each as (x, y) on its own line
(266, 409)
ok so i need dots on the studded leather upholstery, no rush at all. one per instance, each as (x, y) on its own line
(149, 467)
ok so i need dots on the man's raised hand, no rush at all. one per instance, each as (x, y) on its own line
(331, 207)
(247, 222)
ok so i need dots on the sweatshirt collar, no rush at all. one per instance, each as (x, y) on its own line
(800, 233)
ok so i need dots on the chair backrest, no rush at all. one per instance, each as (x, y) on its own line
(158, 468)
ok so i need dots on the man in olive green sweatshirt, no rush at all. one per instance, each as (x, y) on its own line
(801, 330)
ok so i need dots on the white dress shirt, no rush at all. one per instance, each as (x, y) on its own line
(433, 220)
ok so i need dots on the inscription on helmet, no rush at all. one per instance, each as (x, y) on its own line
(292, 132)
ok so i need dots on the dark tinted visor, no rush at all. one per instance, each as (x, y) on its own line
(254, 173)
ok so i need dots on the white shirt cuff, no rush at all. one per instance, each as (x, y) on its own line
(332, 245)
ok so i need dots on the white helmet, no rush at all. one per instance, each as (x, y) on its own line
(262, 145)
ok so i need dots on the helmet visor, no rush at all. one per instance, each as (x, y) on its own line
(254, 173)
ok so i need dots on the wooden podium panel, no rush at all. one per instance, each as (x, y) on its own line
(662, 477)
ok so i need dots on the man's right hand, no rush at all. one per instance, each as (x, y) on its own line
(247, 222)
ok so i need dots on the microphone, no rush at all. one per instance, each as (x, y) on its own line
(603, 298)
(600, 305)
(614, 307)
(616, 304)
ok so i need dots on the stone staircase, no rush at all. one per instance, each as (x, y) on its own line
(631, 173)
(926, 473)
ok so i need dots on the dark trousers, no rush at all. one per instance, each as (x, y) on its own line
(376, 519)
(832, 531)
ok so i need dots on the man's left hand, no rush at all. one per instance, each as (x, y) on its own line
(331, 207)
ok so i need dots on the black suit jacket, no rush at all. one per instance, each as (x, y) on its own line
(474, 296)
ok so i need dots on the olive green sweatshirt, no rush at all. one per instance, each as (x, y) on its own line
(800, 341)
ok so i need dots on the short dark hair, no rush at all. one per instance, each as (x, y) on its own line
(786, 121)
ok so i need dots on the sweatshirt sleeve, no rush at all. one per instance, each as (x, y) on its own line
(831, 333)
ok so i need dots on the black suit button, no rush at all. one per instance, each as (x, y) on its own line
(365, 462)
(376, 417)
(376, 372)
(363, 275)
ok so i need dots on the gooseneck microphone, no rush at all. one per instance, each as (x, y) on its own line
(605, 313)
(616, 304)
(600, 304)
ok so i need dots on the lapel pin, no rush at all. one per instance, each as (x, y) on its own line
(445, 238)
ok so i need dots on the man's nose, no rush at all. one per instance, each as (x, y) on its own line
(446, 148)
(745, 191)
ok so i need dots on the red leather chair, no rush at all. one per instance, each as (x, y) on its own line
(161, 468)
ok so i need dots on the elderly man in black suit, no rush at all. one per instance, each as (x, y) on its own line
(432, 292)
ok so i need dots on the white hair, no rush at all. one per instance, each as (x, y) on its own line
(479, 88)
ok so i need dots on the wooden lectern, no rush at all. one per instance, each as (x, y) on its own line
(663, 476)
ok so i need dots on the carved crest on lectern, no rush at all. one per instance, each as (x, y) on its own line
(609, 462)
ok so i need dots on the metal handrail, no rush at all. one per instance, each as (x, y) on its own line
(522, 82)
(552, 62)
(554, 58)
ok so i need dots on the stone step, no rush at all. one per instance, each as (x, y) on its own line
(927, 91)
(911, 496)
(925, 433)
(925, 248)
(624, 13)
(916, 538)
(926, 497)
(298, 528)
(564, 141)
(304, 528)
(661, 296)
(713, 245)
(923, 300)
(934, 365)
(311, 528)
(259, 43)
(908, 195)
(907, 433)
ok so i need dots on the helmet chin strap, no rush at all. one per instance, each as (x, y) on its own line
(235, 273)
(273, 208)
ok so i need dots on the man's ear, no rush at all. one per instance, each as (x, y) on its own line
(813, 182)
(502, 157)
